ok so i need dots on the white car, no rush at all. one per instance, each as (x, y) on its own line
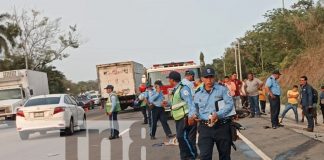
(50, 112)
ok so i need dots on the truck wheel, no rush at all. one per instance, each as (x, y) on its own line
(23, 135)
(10, 121)
(62, 132)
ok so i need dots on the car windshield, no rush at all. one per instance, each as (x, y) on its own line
(42, 101)
(10, 94)
(161, 75)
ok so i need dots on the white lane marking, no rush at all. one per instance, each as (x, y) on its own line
(123, 132)
(253, 147)
(3, 125)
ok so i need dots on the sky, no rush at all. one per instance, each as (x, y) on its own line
(147, 31)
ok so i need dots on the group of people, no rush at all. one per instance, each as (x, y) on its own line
(246, 91)
(308, 97)
(193, 108)
(209, 108)
(256, 92)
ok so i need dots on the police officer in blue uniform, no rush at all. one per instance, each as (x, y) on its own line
(181, 100)
(213, 110)
(274, 91)
(157, 111)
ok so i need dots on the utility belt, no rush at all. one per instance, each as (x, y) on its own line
(151, 106)
(219, 123)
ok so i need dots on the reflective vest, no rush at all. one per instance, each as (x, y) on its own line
(179, 106)
(109, 103)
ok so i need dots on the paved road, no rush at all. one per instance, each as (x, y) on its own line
(93, 144)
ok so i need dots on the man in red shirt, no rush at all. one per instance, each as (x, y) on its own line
(238, 84)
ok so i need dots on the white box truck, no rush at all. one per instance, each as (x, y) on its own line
(16, 86)
(126, 77)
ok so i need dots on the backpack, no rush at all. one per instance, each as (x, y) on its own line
(315, 95)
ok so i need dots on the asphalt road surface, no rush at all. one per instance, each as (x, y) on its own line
(256, 142)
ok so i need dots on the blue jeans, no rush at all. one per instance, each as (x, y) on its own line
(287, 108)
(254, 104)
(114, 126)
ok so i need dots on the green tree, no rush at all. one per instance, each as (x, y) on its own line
(281, 38)
(55, 79)
(8, 32)
(42, 40)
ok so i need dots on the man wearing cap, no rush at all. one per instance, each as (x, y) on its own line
(181, 100)
(112, 109)
(189, 81)
(273, 89)
(157, 111)
(213, 110)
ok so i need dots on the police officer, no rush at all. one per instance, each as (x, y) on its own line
(157, 111)
(272, 86)
(148, 93)
(181, 100)
(189, 80)
(143, 102)
(112, 109)
(213, 109)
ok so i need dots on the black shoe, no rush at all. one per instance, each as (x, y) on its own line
(153, 138)
(263, 113)
(112, 137)
(145, 123)
(280, 125)
(308, 129)
(251, 116)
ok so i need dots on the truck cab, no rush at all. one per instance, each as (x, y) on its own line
(10, 99)
(161, 71)
(16, 87)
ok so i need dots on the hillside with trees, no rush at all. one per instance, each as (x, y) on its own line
(289, 39)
